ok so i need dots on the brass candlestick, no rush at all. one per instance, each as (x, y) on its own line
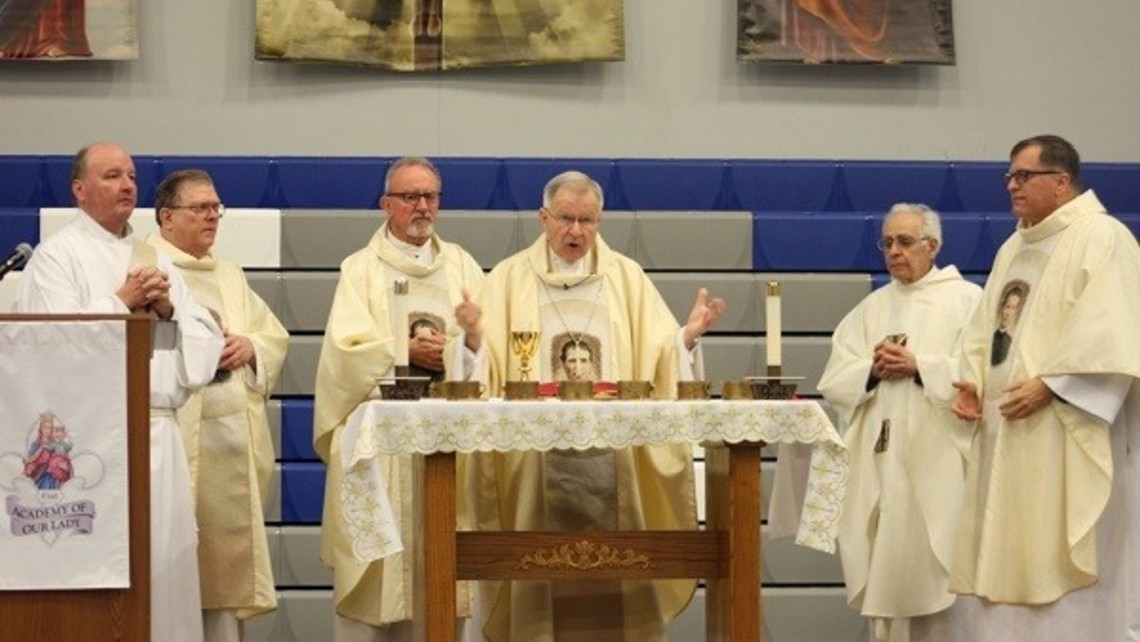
(524, 343)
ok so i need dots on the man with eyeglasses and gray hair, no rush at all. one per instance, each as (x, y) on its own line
(1049, 544)
(224, 425)
(95, 265)
(889, 379)
(576, 290)
(373, 600)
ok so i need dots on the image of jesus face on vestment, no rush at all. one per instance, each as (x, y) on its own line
(575, 358)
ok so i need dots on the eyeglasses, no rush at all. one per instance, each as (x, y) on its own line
(587, 222)
(200, 209)
(903, 241)
(1022, 175)
(413, 198)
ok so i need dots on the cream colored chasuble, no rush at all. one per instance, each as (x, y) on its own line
(631, 488)
(230, 451)
(358, 350)
(1037, 487)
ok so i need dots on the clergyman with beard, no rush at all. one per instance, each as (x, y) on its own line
(371, 598)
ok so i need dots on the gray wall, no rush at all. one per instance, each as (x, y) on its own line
(680, 93)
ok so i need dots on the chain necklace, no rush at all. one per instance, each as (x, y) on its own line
(577, 340)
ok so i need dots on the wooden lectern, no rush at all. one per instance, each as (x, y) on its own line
(100, 614)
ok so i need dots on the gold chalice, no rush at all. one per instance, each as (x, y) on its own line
(524, 343)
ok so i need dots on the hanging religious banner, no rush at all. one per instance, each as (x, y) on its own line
(63, 456)
(68, 30)
(425, 35)
(845, 31)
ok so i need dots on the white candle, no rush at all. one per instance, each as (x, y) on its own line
(772, 318)
(400, 316)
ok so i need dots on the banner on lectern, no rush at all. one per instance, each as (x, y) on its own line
(63, 457)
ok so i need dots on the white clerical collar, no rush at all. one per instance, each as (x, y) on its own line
(94, 226)
(558, 265)
(421, 254)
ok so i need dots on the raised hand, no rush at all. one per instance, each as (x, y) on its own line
(706, 311)
(469, 318)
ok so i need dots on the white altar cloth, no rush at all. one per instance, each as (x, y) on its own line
(440, 426)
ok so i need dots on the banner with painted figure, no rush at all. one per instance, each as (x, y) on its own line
(427, 35)
(63, 455)
(68, 30)
(845, 31)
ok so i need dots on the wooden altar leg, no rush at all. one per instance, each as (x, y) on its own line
(439, 547)
(732, 501)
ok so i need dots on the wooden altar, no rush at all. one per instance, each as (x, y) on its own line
(726, 552)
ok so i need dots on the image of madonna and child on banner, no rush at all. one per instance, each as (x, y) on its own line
(63, 456)
(68, 30)
(845, 31)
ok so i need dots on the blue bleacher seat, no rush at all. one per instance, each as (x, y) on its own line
(147, 175)
(326, 183)
(980, 186)
(241, 182)
(302, 492)
(1115, 185)
(21, 183)
(876, 186)
(297, 430)
(782, 186)
(979, 279)
(670, 184)
(815, 241)
(525, 178)
(18, 225)
(999, 226)
(55, 182)
(471, 183)
(966, 243)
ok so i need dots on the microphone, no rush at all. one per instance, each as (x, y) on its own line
(22, 253)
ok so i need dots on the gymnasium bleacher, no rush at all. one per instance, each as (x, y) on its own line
(729, 224)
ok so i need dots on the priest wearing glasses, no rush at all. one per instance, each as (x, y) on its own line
(374, 601)
(570, 285)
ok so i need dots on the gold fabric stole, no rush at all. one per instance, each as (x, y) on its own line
(215, 429)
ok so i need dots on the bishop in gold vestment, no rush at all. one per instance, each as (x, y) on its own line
(571, 286)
